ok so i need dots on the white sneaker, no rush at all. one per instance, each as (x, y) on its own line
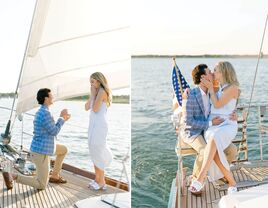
(231, 190)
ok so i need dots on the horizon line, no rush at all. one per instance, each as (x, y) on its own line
(200, 55)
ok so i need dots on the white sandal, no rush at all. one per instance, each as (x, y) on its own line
(196, 188)
(95, 186)
(231, 190)
(91, 182)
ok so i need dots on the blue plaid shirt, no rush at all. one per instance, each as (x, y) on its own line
(45, 131)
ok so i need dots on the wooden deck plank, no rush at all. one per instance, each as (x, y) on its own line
(39, 199)
(34, 196)
(51, 200)
(211, 194)
(70, 197)
(63, 198)
(207, 195)
(55, 195)
(18, 195)
(57, 199)
(30, 197)
(189, 198)
(199, 201)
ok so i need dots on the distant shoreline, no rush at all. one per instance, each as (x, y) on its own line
(122, 99)
(198, 56)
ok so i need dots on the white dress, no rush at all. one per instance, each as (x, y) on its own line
(97, 133)
(222, 134)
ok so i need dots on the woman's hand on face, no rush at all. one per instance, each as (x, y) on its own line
(207, 83)
(93, 91)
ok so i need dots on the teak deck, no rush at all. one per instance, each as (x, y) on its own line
(246, 176)
(55, 195)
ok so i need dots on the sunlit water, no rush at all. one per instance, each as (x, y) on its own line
(74, 133)
(154, 162)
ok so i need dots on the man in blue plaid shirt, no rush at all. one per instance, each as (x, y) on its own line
(43, 145)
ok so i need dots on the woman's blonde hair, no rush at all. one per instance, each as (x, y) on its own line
(228, 72)
(104, 84)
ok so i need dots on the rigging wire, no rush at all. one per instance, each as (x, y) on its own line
(257, 66)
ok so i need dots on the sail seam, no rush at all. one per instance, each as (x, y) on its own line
(74, 69)
(83, 36)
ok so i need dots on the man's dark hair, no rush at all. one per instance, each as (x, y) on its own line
(41, 94)
(197, 72)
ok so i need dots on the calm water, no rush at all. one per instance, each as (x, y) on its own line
(74, 133)
(153, 137)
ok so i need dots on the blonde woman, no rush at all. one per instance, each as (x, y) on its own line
(219, 137)
(100, 99)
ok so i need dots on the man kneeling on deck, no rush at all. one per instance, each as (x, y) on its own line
(43, 146)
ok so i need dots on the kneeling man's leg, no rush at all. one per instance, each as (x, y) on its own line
(61, 151)
(42, 170)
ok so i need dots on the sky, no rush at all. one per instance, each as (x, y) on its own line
(15, 19)
(160, 27)
(187, 27)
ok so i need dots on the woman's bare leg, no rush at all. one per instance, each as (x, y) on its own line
(99, 175)
(227, 173)
(209, 155)
(96, 173)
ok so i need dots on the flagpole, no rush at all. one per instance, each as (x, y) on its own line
(180, 166)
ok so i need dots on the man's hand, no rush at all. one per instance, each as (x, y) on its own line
(186, 93)
(64, 114)
(217, 120)
(233, 116)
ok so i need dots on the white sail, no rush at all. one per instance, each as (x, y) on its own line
(71, 39)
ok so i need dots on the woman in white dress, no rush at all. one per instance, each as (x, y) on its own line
(100, 99)
(219, 137)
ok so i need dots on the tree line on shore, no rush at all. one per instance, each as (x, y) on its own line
(116, 98)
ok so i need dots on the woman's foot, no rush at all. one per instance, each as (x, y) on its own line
(92, 182)
(196, 188)
(95, 186)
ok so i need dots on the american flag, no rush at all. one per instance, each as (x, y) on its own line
(178, 85)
